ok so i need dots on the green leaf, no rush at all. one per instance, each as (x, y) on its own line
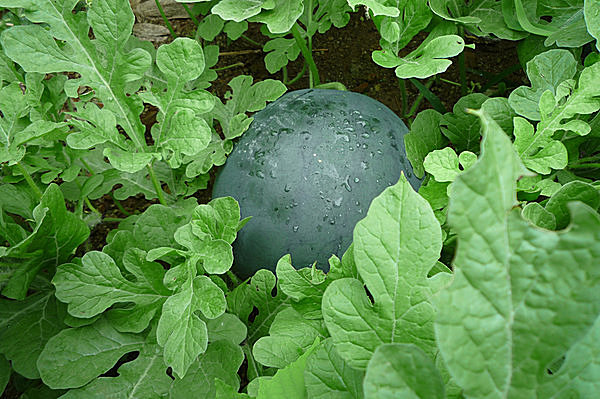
(26, 326)
(572, 191)
(482, 17)
(5, 371)
(545, 71)
(180, 128)
(378, 7)
(279, 52)
(97, 283)
(226, 327)
(591, 11)
(245, 97)
(328, 376)
(221, 360)
(429, 59)
(180, 331)
(289, 336)
(513, 280)
(552, 156)
(462, 128)
(539, 216)
(395, 246)
(237, 10)
(105, 63)
(91, 350)
(444, 164)
(287, 382)
(56, 235)
(281, 17)
(424, 137)
(257, 293)
(145, 377)
(402, 371)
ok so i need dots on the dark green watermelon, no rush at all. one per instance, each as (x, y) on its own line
(306, 171)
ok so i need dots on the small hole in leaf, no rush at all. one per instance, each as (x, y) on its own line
(126, 358)
(253, 314)
(170, 373)
(369, 295)
(555, 366)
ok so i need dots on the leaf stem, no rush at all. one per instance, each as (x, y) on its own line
(462, 69)
(236, 281)
(237, 64)
(113, 219)
(403, 97)
(156, 184)
(417, 102)
(189, 13)
(254, 42)
(119, 205)
(29, 180)
(314, 79)
(296, 78)
(90, 206)
(165, 19)
(584, 166)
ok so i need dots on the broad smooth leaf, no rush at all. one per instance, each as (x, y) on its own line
(402, 371)
(143, 378)
(513, 280)
(26, 326)
(91, 350)
(424, 137)
(395, 247)
(328, 376)
(591, 10)
(221, 360)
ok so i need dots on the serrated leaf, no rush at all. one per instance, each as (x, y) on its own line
(517, 285)
(462, 128)
(395, 246)
(97, 284)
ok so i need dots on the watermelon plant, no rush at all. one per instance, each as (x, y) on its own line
(347, 250)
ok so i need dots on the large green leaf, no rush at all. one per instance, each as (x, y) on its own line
(56, 235)
(76, 356)
(522, 297)
(591, 10)
(395, 247)
(402, 371)
(26, 326)
(143, 378)
(328, 376)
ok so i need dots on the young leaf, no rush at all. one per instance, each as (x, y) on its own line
(395, 246)
(180, 331)
(572, 191)
(444, 164)
(328, 376)
(424, 137)
(402, 371)
(512, 281)
(97, 283)
(91, 350)
(180, 128)
(281, 17)
(462, 128)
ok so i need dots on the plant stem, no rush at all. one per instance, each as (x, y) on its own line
(29, 180)
(112, 219)
(584, 166)
(297, 77)
(156, 184)
(236, 281)
(189, 12)
(403, 97)
(308, 58)
(432, 98)
(254, 42)
(449, 82)
(237, 64)
(415, 105)
(119, 205)
(90, 206)
(462, 70)
(165, 19)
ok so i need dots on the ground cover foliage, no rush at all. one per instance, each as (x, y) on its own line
(484, 284)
